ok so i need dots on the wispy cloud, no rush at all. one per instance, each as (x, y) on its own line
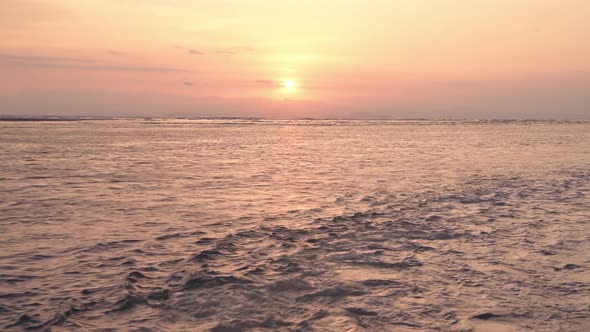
(17, 57)
(116, 53)
(266, 82)
(99, 67)
(195, 52)
(36, 61)
(191, 51)
(227, 50)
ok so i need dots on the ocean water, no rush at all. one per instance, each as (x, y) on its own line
(243, 225)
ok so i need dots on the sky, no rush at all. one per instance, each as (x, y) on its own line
(392, 59)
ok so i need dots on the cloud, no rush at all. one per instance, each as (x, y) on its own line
(227, 50)
(187, 83)
(16, 57)
(27, 61)
(99, 67)
(195, 52)
(114, 52)
(190, 51)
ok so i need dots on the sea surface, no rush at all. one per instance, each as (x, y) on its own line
(306, 225)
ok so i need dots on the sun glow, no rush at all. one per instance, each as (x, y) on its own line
(289, 85)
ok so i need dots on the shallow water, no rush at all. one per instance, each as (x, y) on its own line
(237, 225)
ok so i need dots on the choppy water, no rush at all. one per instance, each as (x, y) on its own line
(294, 226)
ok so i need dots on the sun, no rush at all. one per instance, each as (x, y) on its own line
(289, 85)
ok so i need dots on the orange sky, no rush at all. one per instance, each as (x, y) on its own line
(343, 58)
